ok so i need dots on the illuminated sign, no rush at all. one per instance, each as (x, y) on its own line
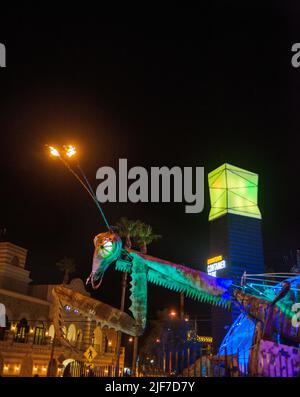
(233, 190)
(214, 264)
(198, 338)
(214, 259)
(205, 339)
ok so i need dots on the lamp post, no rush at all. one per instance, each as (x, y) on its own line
(119, 333)
(50, 368)
(181, 305)
(65, 155)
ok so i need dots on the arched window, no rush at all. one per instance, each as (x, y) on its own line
(105, 344)
(98, 339)
(71, 335)
(79, 337)
(51, 331)
(22, 331)
(39, 334)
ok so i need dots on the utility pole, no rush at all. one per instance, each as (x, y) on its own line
(170, 362)
(181, 306)
(197, 319)
(134, 358)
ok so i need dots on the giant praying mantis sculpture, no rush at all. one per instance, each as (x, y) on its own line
(143, 269)
(271, 313)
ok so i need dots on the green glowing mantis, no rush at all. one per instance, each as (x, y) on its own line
(273, 312)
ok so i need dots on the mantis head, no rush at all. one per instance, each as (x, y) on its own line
(107, 250)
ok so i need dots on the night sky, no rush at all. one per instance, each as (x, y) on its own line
(186, 87)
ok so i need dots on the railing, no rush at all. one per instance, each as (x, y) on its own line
(275, 362)
(195, 362)
(81, 369)
(229, 365)
(174, 362)
(265, 360)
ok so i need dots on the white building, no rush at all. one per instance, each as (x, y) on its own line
(26, 343)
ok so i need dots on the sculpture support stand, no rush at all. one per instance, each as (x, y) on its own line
(119, 334)
(50, 371)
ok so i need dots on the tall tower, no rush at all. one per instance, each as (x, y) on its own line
(235, 233)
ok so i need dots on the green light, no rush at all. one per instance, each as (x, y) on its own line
(106, 249)
(233, 190)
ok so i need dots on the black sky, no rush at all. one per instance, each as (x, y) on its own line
(186, 87)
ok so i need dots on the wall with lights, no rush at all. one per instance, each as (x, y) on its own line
(26, 342)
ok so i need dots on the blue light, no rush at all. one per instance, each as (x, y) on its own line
(239, 340)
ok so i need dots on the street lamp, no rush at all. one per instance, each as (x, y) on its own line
(70, 150)
(173, 314)
(54, 152)
(65, 154)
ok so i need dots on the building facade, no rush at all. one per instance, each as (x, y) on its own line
(27, 342)
(236, 244)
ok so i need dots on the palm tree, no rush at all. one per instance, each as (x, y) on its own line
(145, 236)
(66, 266)
(142, 234)
(127, 229)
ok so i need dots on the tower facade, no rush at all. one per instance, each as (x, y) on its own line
(13, 275)
(235, 234)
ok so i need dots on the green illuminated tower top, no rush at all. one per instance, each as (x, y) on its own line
(233, 190)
